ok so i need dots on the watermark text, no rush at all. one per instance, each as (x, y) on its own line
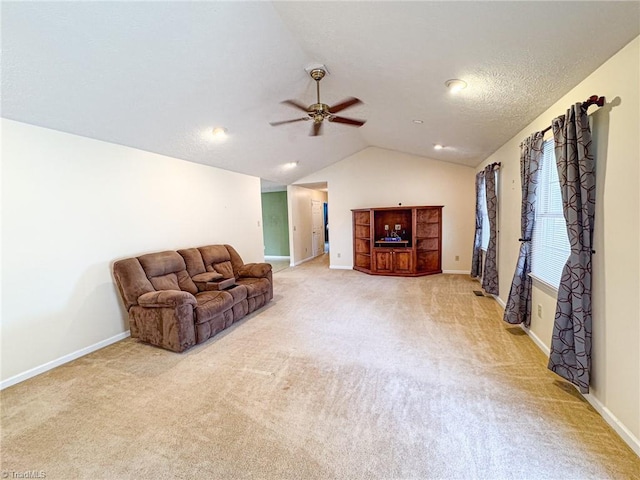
(23, 474)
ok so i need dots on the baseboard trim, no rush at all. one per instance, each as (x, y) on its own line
(295, 264)
(456, 272)
(626, 435)
(613, 421)
(21, 377)
(536, 340)
(340, 267)
(277, 257)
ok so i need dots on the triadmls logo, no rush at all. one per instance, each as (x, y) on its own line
(24, 474)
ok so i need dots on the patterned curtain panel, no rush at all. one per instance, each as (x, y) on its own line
(476, 261)
(490, 274)
(571, 342)
(518, 308)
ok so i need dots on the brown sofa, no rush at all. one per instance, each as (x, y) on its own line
(178, 299)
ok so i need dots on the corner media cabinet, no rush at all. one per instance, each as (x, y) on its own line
(403, 241)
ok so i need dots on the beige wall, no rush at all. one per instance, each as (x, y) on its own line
(616, 270)
(301, 222)
(70, 207)
(376, 177)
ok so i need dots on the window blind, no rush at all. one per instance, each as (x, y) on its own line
(549, 244)
(485, 216)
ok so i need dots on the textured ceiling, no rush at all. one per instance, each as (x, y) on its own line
(159, 75)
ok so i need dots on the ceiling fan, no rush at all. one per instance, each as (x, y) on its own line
(318, 111)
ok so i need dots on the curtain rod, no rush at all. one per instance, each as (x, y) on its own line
(592, 100)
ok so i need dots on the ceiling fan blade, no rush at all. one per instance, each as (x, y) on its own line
(295, 104)
(316, 129)
(346, 103)
(347, 121)
(275, 124)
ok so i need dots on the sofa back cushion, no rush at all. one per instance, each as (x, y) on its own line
(193, 261)
(167, 271)
(236, 260)
(131, 280)
(216, 258)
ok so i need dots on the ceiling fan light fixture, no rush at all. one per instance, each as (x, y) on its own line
(455, 85)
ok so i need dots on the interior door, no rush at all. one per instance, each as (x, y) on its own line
(317, 241)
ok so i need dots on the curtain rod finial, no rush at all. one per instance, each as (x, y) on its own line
(595, 100)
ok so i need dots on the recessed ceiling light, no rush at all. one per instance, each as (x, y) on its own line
(455, 85)
(290, 165)
(437, 146)
(418, 121)
(219, 132)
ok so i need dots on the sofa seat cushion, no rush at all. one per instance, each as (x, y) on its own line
(212, 303)
(255, 286)
(238, 292)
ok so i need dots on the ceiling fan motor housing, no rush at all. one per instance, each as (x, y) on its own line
(319, 110)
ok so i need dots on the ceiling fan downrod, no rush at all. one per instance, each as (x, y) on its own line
(317, 74)
(318, 111)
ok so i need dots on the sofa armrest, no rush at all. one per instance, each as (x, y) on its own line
(166, 298)
(203, 280)
(256, 270)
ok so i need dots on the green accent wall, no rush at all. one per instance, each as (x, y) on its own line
(275, 224)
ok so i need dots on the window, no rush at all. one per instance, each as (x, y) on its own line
(550, 244)
(485, 216)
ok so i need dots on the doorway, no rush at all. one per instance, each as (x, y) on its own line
(307, 221)
(325, 211)
(317, 225)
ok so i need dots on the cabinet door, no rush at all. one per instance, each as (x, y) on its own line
(402, 261)
(428, 262)
(383, 261)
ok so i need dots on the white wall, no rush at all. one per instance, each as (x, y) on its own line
(375, 177)
(615, 387)
(301, 222)
(71, 206)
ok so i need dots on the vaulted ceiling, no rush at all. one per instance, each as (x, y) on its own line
(159, 76)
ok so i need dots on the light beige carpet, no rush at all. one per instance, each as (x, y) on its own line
(280, 264)
(343, 376)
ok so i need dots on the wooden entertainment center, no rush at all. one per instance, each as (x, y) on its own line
(403, 241)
